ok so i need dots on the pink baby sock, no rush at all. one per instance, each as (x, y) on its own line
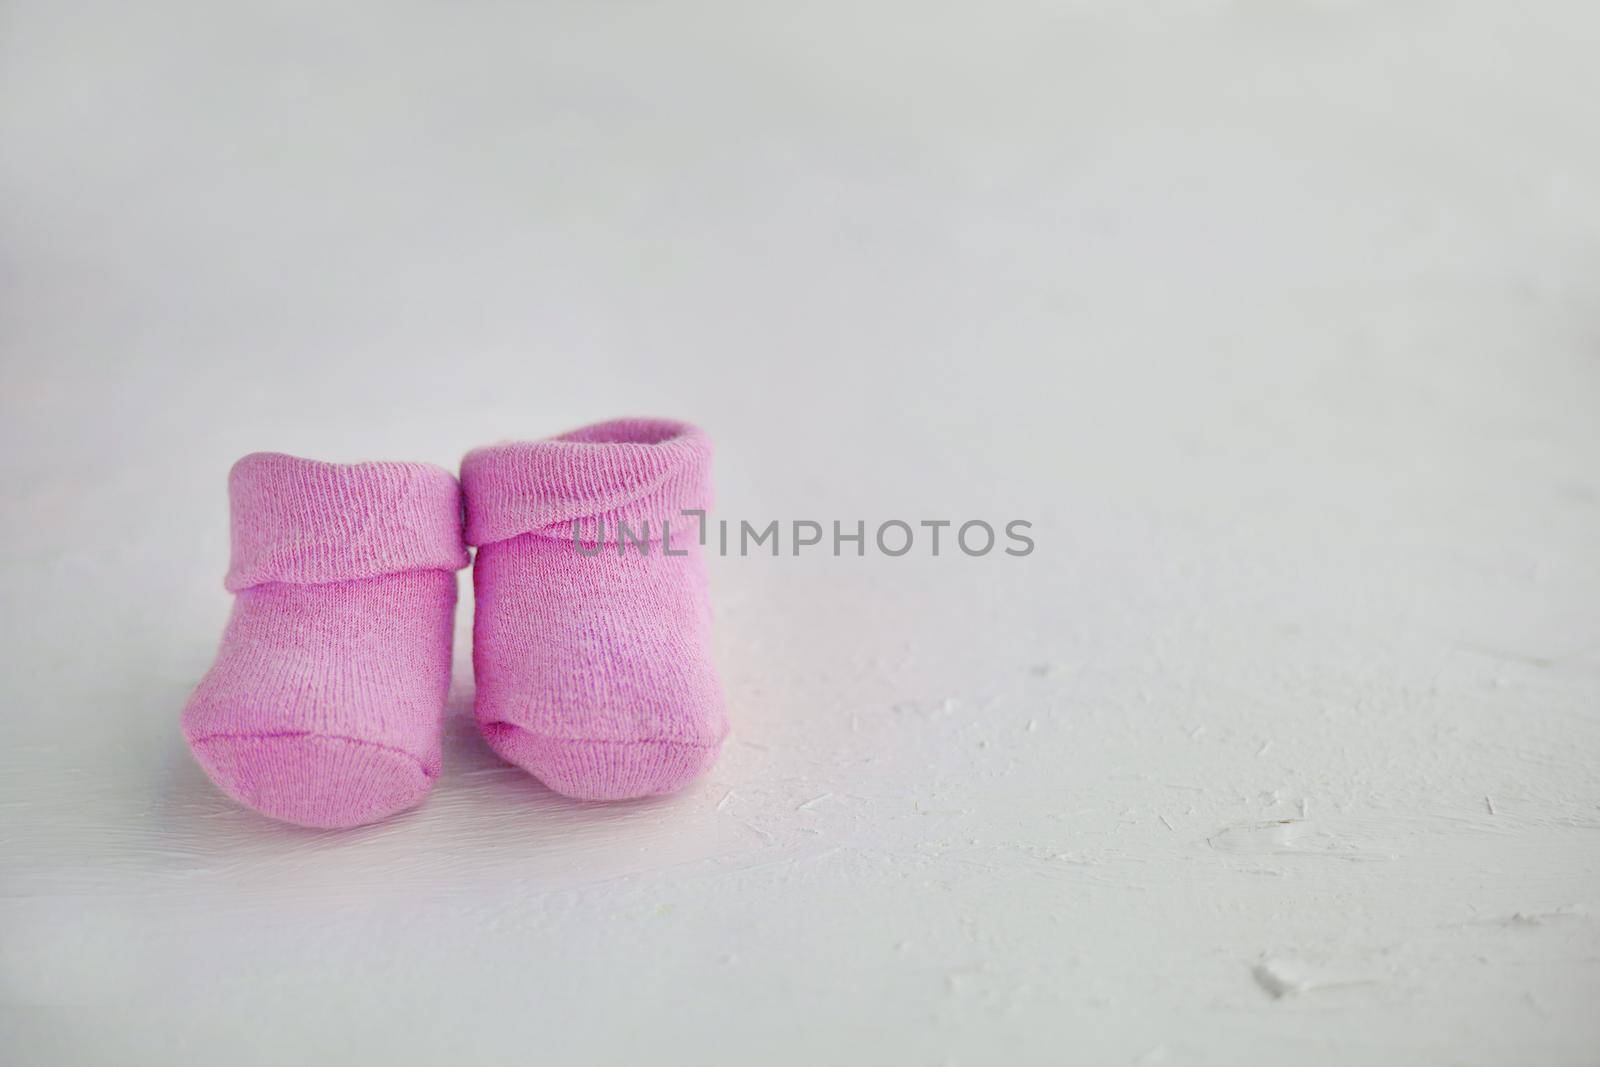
(323, 705)
(593, 670)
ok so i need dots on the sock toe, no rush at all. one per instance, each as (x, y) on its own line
(312, 780)
(602, 770)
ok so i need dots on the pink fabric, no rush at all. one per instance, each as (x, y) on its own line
(630, 469)
(324, 702)
(594, 672)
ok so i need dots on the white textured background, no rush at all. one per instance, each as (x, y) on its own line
(1281, 321)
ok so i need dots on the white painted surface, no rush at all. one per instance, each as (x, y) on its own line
(1278, 320)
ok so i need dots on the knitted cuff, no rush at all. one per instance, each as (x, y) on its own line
(307, 522)
(635, 471)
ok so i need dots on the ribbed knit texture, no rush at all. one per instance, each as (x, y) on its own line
(323, 706)
(594, 672)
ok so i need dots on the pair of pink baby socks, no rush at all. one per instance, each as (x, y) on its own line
(590, 643)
